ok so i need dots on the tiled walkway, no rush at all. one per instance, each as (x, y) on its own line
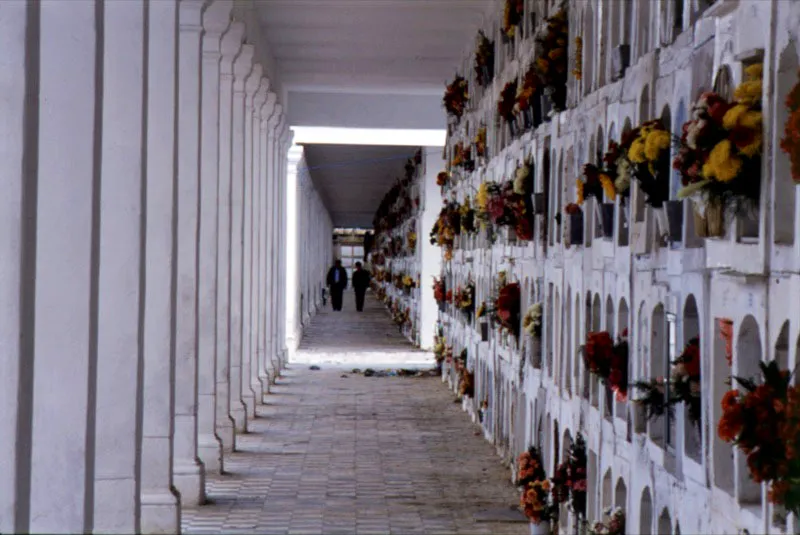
(337, 452)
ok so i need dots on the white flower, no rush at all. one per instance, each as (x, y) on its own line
(521, 179)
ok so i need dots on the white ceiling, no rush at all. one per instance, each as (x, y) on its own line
(365, 64)
(352, 179)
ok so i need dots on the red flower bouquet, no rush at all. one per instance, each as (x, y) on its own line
(608, 360)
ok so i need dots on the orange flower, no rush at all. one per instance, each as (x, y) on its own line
(730, 400)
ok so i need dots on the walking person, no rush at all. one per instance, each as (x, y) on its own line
(360, 285)
(337, 281)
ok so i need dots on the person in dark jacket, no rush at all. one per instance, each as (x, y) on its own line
(360, 285)
(337, 282)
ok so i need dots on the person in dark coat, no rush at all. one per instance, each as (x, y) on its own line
(337, 282)
(360, 285)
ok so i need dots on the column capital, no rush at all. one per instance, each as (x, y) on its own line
(242, 67)
(217, 16)
(230, 47)
(190, 15)
(260, 96)
(268, 108)
(253, 82)
(272, 121)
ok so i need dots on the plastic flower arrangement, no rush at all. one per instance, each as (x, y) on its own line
(443, 179)
(790, 143)
(512, 16)
(551, 61)
(590, 185)
(481, 310)
(527, 91)
(465, 299)
(523, 179)
(480, 142)
(462, 157)
(683, 386)
(411, 240)
(408, 282)
(439, 290)
(507, 102)
(614, 526)
(719, 157)
(762, 421)
(484, 60)
(569, 478)
(607, 360)
(616, 169)
(649, 155)
(532, 321)
(507, 307)
(577, 72)
(456, 96)
(535, 499)
(467, 217)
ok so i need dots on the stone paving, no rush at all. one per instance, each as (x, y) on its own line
(338, 453)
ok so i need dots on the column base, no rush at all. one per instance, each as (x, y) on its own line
(239, 417)
(264, 380)
(189, 478)
(249, 400)
(209, 449)
(227, 437)
(161, 512)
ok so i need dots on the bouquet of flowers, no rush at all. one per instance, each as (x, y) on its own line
(462, 157)
(526, 93)
(790, 143)
(523, 178)
(683, 385)
(569, 479)
(439, 349)
(465, 299)
(480, 142)
(512, 16)
(443, 179)
(409, 283)
(762, 421)
(617, 166)
(532, 479)
(466, 386)
(649, 154)
(411, 240)
(719, 157)
(507, 307)
(594, 183)
(607, 360)
(484, 60)
(467, 217)
(508, 100)
(551, 63)
(439, 291)
(456, 96)
(532, 321)
(614, 526)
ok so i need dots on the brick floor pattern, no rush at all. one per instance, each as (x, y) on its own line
(356, 455)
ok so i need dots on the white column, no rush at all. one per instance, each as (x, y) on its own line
(189, 473)
(231, 45)
(119, 355)
(241, 70)
(275, 170)
(266, 229)
(248, 394)
(16, 246)
(216, 19)
(272, 191)
(255, 276)
(282, 253)
(160, 504)
(62, 434)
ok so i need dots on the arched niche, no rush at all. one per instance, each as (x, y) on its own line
(784, 217)
(643, 28)
(578, 337)
(659, 364)
(568, 340)
(554, 454)
(587, 328)
(623, 221)
(549, 322)
(600, 146)
(693, 438)
(607, 495)
(646, 513)
(677, 528)
(610, 315)
(636, 194)
(723, 83)
(748, 354)
(680, 119)
(558, 195)
(622, 328)
(782, 346)
(643, 327)
(621, 495)
(555, 354)
(664, 523)
(592, 477)
(596, 313)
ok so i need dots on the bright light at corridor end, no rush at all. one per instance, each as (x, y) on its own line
(368, 136)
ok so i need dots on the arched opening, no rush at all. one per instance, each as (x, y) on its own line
(589, 50)
(642, 326)
(723, 83)
(747, 357)
(621, 495)
(558, 195)
(646, 513)
(622, 328)
(556, 353)
(643, 26)
(568, 339)
(575, 355)
(636, 194)
(692, 432)
(554, 454)
(610, 315)
(659, 367)
(677, 528)
(597, 159)
(721, 372)
(549, 319)
(544, 229)
(609, 395)
(624, 219)
(784, 218)
(782, 346)
(607, 495)
(664, 523)
(591, 484)
(587, 328)
(596, 326)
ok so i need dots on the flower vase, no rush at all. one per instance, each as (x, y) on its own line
(512, 131)
(540, 528)
(576, 228)
(675, 217)
(484, 331)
